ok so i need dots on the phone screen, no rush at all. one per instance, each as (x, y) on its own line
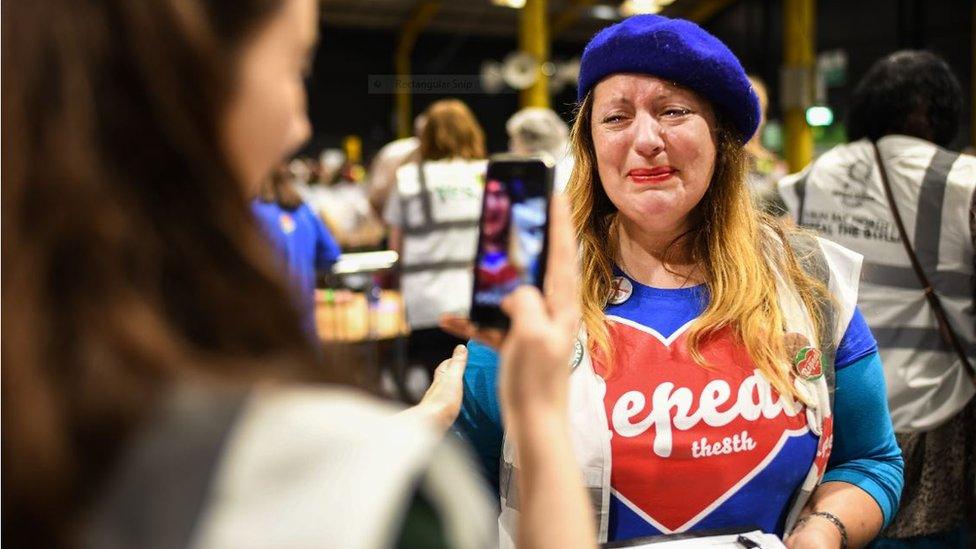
(512, 238)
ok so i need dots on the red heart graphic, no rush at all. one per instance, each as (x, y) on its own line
(686, 437)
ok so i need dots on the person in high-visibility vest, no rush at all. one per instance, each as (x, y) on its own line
(909, 105)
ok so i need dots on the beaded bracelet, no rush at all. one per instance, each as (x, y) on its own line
(833, 520)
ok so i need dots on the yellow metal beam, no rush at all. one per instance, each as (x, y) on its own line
(798, 63)
(401, 60)
(534, 40)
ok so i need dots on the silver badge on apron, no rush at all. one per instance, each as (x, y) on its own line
(621, 289)
(577, 357)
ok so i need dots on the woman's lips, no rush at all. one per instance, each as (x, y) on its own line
(651, 175)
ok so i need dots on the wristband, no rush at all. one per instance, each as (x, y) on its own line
(830, 517)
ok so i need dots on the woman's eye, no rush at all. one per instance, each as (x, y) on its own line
(612, 118)
(675, 112)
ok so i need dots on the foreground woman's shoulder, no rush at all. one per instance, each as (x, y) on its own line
(339, 466)
(281, 466)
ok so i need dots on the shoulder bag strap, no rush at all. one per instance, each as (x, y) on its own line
(945, 330)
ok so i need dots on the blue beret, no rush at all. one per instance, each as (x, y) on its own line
(675, 50)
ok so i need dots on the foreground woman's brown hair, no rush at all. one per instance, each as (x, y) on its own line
(128, 244)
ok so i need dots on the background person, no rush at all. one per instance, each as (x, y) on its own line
(534, 130)
(341, 203)
(909, 103)
(152, 355)
(687, 412)
(433, 218)
(383, 168)
(298, 235)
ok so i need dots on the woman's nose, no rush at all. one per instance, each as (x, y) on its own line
(648, 141)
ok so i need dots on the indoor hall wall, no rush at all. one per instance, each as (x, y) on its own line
(339, 102)
(867, 29)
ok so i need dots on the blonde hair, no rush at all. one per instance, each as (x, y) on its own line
(731, 243)
(451, 131)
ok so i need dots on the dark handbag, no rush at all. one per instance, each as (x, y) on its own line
(945, 329)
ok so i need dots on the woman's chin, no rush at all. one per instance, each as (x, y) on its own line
(659, 219)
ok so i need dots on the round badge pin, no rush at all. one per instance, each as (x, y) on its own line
(808, 363)
(577, 357)
(621, 289)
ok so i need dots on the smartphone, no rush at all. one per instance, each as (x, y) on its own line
(513, 233)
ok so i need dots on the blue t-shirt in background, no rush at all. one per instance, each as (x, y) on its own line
(304, 244)
(864, 452)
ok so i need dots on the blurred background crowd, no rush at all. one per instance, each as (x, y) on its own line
(510, 68)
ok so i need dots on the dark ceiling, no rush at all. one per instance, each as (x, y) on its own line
(570, 20)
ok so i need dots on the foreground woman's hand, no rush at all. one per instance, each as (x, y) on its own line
(442, 401)
(553, 504)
